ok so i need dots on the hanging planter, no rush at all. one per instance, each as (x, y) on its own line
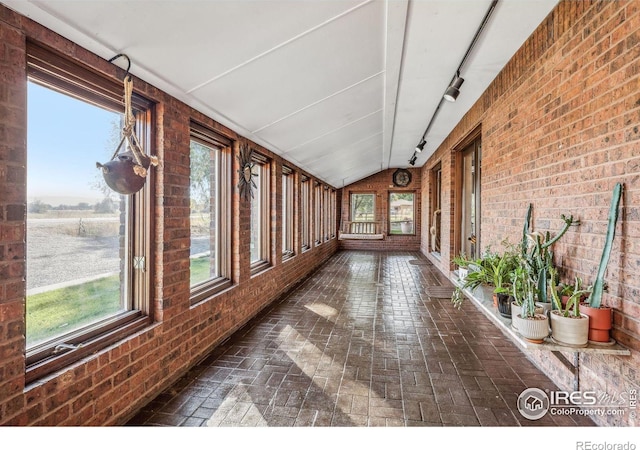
(126, 172)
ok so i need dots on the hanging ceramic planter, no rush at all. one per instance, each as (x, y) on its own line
(126, 172)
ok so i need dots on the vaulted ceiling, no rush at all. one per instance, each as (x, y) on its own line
(341, 88)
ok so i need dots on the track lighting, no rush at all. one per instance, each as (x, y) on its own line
(420, 146)
(412, 161)
(452, 92)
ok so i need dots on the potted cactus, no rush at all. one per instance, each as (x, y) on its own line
(530, 322)
(568, 325)
(601, 317)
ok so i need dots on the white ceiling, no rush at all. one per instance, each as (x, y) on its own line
(341, 88)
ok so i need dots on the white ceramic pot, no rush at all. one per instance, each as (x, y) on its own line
(570, 331)
(515, 310)
(533, 329)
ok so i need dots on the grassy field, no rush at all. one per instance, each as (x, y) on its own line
(63, 310)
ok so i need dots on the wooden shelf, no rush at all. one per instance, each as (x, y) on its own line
(482, 297)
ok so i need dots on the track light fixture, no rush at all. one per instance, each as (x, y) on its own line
(452, 92)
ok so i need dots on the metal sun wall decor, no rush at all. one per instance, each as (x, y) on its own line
(245, 182)
(126, 172)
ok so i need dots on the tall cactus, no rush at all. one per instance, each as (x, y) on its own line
(595, 300)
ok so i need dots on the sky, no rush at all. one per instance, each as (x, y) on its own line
(65, 139)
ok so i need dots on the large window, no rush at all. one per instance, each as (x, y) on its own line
(318, 213)
(87, 255)
(288, 213)
(363, 207)
(260, 214)
(401, 213)
(436, 208)
(305, 213)
(209, 212)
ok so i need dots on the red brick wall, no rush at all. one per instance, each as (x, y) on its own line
(561, 126)
(105, 388)
(381, 184)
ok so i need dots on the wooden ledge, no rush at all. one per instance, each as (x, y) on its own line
(482, 297)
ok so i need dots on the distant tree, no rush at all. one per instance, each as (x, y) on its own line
(200, 188)
(38, 207)
(110, 146)
(105, 206)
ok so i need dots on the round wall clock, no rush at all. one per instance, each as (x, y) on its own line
(401, 177)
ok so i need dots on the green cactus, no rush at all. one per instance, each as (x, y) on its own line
(595, 300)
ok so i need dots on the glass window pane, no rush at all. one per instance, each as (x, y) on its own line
(256, 215)
(362, 208)
(77, 234)
(401, 218)
(204, 204)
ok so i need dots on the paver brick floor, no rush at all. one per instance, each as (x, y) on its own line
(359, 343)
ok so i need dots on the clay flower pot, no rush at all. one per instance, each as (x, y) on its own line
(600, 322)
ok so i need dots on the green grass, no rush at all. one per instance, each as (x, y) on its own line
(199, 269)
(62, 310)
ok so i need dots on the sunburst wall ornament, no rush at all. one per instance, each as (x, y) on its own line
(246, 183)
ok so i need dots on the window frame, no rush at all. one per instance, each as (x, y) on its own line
(351, 206)
(264, 194)
(288, 212)
(318, 213)
(51, 70)
(305, 213)
(212, 286)
(413, 213)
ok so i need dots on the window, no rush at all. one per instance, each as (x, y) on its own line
(326, 212)
(288, 213)
(317, 209)
(332, 213)
(260, 214)
(209, 212)
(305, 213)
(87, 252)
(362, 208)
(436, 208)
(401, 213)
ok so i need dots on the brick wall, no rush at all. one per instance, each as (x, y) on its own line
(381, 184)
(107, 387)
(560, 126)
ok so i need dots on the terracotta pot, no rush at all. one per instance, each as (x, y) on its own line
(600, 322)
(533, 329)
(495, 299)
(570, 331)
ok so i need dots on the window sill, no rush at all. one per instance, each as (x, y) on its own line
(46, 361)
(259, 266)
(209, 289)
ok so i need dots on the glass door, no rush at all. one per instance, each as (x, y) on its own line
(470, 200)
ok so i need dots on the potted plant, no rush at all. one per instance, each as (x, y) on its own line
(477, 274)
(568, 325)
(529, 322)
(501, 267)
(601, 317)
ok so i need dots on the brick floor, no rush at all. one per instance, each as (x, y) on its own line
(359, 343)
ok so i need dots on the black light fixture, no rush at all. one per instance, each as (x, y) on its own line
(412, 161)
(452, 92)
